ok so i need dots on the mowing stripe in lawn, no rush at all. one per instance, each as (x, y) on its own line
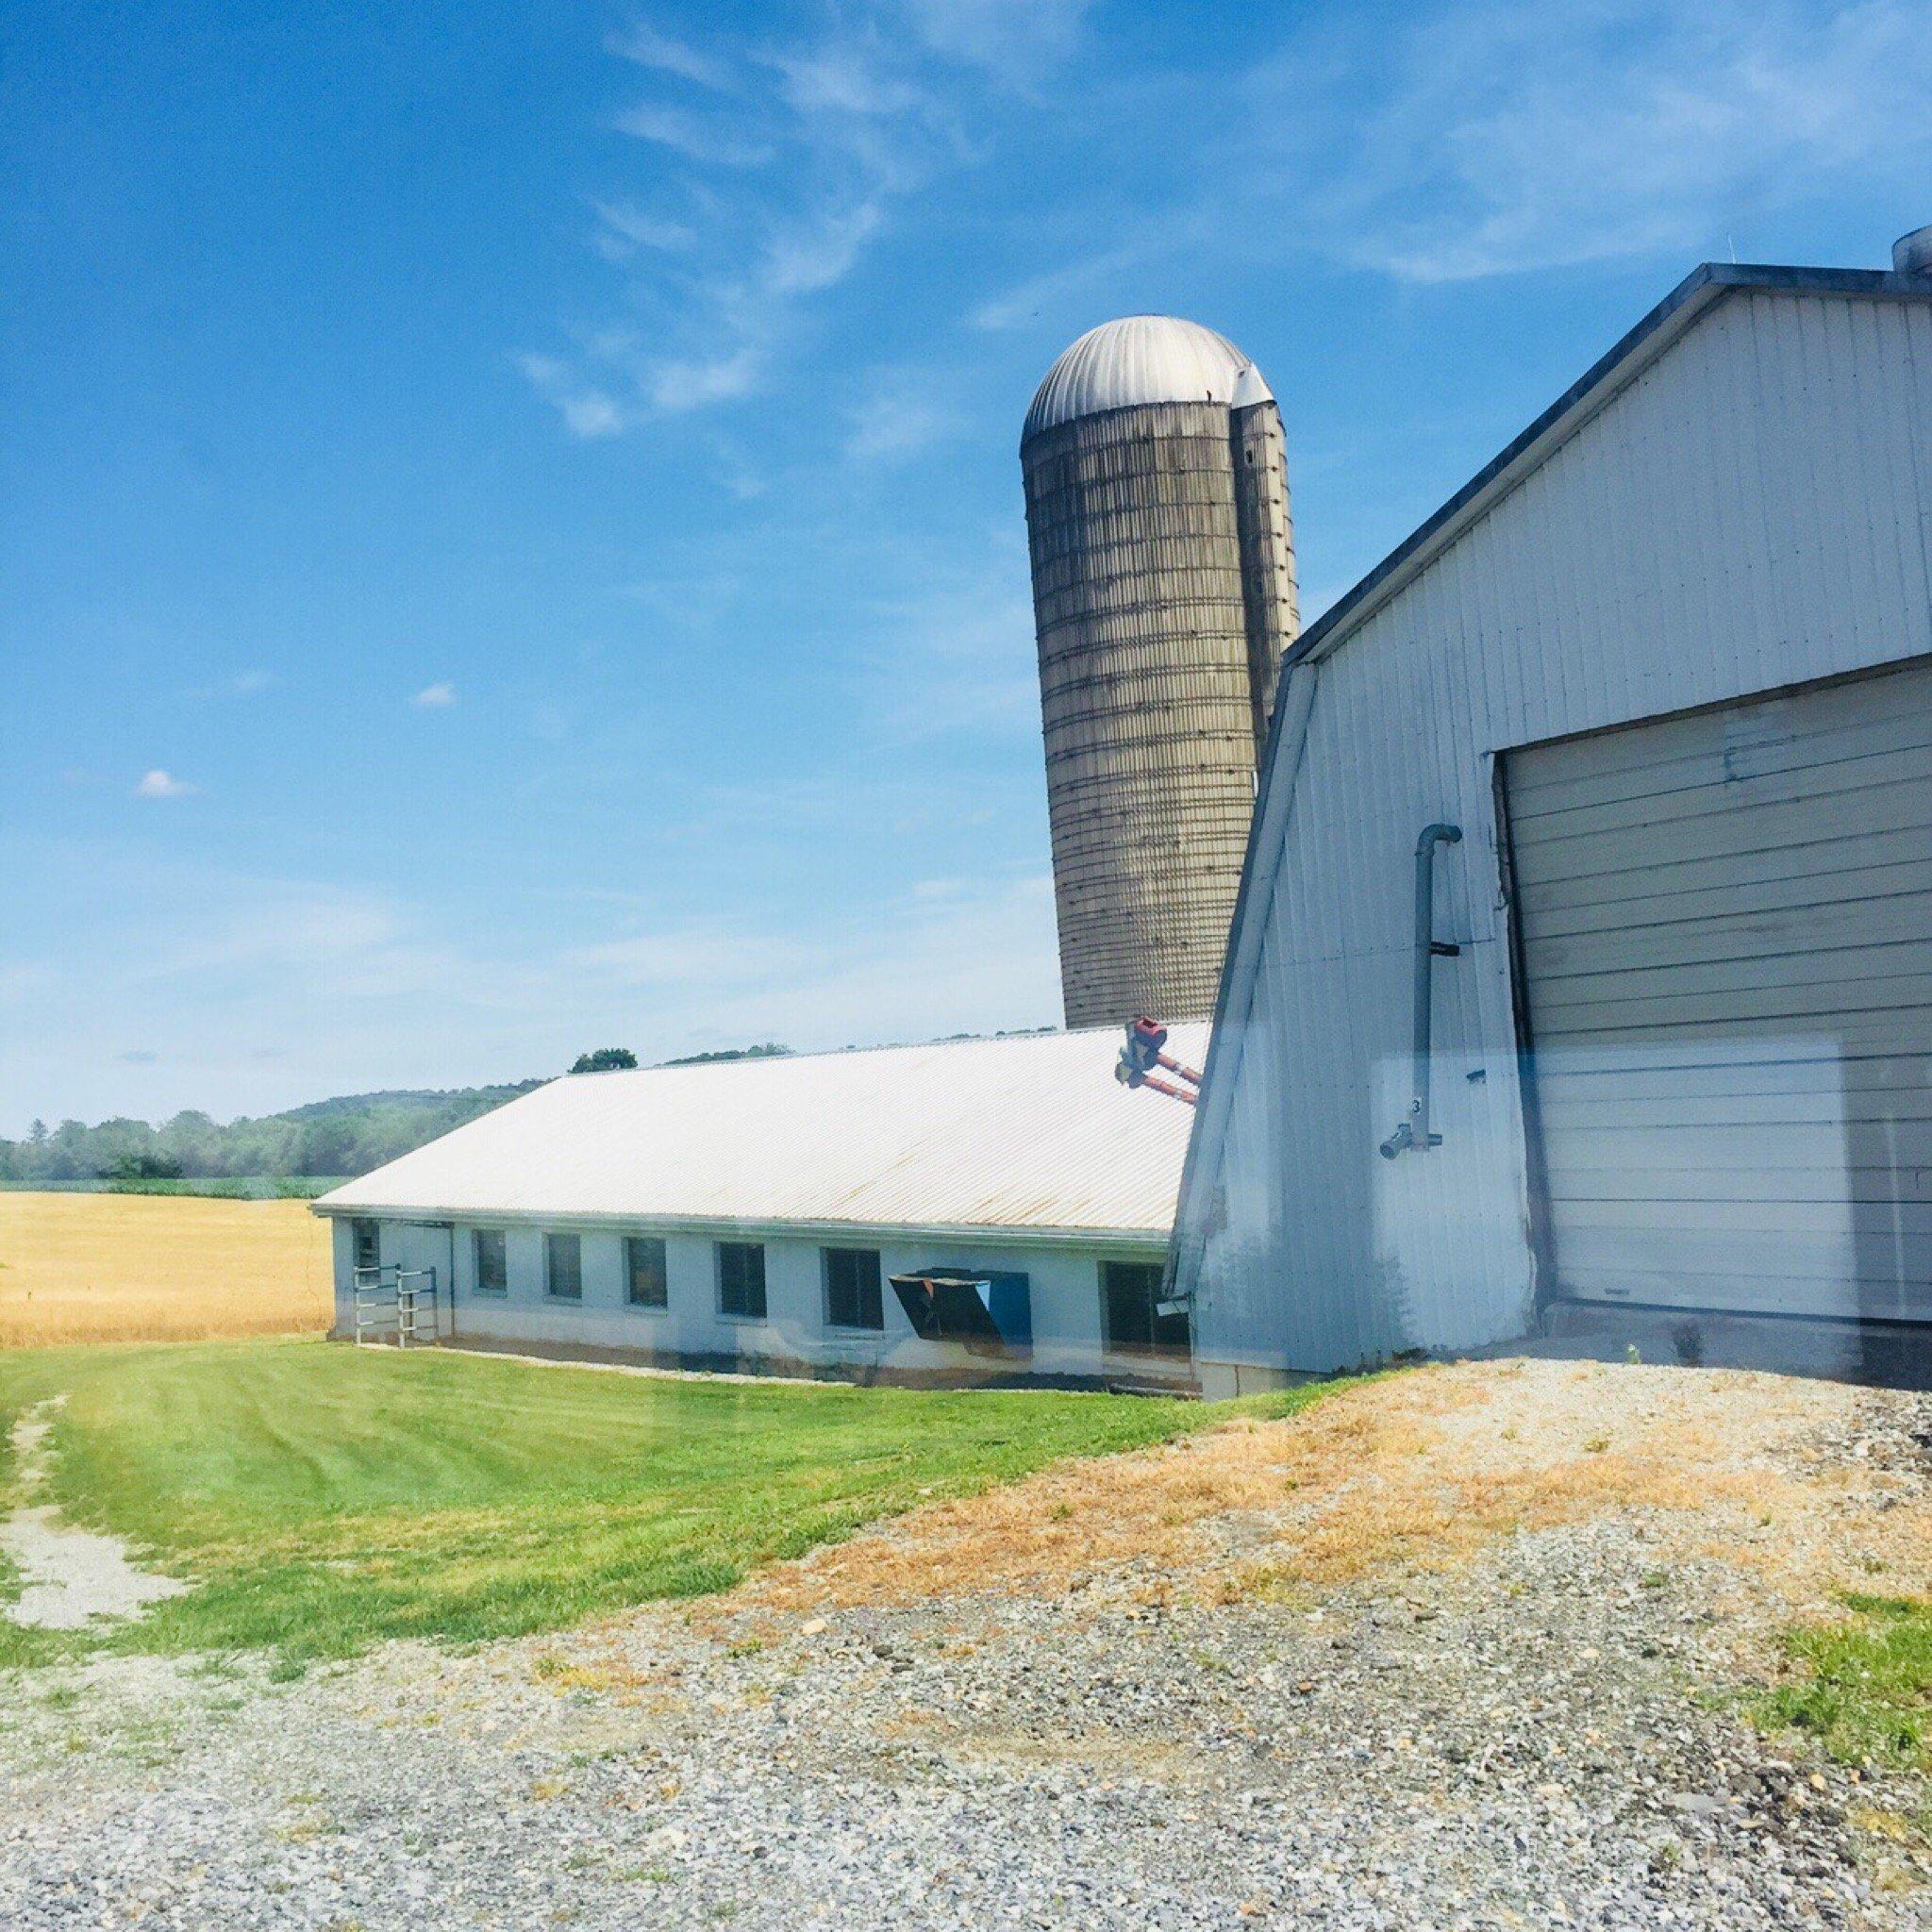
(322, 1498)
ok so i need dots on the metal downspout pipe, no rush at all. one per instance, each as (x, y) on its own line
(1413, 1134)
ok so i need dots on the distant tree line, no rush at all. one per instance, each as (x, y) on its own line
(345, 1136)
(331, 1139)
(764, 1050)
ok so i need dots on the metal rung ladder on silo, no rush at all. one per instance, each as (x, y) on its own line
(395, 1305)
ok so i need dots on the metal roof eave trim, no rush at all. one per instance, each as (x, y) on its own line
(730, 1227)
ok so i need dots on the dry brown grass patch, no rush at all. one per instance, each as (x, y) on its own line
(1416, 1473)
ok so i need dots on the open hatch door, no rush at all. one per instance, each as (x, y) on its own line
(991, 1314)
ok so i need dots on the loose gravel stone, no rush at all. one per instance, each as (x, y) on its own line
(1522, 1737)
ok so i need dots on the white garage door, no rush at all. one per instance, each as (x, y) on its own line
(1727, 925)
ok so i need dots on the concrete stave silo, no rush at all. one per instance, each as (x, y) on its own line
(1164, 583)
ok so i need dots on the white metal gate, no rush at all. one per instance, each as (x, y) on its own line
(1725, 924)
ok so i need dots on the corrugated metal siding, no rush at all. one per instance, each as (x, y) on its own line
(1017, 1136)
(1727, 952)
(1751, 512)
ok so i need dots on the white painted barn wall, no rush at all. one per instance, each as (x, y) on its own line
(1065, 1284)
(342, 1252)
(1751, 512)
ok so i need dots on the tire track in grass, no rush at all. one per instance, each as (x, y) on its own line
(69, 1577)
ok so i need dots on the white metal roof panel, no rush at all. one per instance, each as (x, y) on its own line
(1012, 1136)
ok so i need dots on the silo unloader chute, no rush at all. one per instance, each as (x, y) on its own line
(1145, 1052)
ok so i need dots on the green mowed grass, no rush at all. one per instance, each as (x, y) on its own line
(322, 1498)
(1866, 1688)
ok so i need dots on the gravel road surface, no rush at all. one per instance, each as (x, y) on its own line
(1460, 1649)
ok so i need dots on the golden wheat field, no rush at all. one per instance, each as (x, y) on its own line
(159, 1268)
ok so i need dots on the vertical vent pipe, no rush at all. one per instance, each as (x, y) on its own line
(1413, 1134)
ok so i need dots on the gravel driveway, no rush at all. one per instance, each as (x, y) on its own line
(1440, 1652)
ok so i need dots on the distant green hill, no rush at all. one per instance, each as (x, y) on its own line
(418, 1098)
(306, 1147)
(347, 1135)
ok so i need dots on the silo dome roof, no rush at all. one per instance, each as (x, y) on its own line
(1142, 359)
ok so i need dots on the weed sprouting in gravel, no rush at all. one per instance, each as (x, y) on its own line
(1865, 1687)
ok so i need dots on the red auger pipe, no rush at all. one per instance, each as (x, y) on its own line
(1142, 1052)
(1151, 1036)
(1175, 1066)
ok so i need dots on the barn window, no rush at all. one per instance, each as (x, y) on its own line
(649, 1285)
(742, 1280)
(368, 1238)
(1132, 1293)
(492, 1260)
(563, 1266)
(852, 1297)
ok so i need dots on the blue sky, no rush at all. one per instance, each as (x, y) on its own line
(513, 536)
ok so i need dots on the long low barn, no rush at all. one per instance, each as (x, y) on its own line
(970, 1212)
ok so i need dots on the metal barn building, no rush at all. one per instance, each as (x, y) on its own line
(972, 1211)
(1595, 839)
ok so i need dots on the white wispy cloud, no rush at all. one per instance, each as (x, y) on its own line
(240, 684)
(587, 411)
(1019, 38)
(692, 599)
(1482, 137)
(903, 413)
(820, 252)
(894, 971)
(284, 924)
(1516, 136)
(798, 153)
(436, 697)
(708, 955)
(642, 45)
(698, 138)
(254, 991)
(901, 973)
(163, 783)
(673, 385)
(843, 80)
(623, 228)
(739, 476)
(955, 652)
(1016, 307)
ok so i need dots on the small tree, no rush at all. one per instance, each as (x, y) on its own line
(142, 1167)
(607, 1059)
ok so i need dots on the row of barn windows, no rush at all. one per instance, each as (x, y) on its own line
(854, 1279)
